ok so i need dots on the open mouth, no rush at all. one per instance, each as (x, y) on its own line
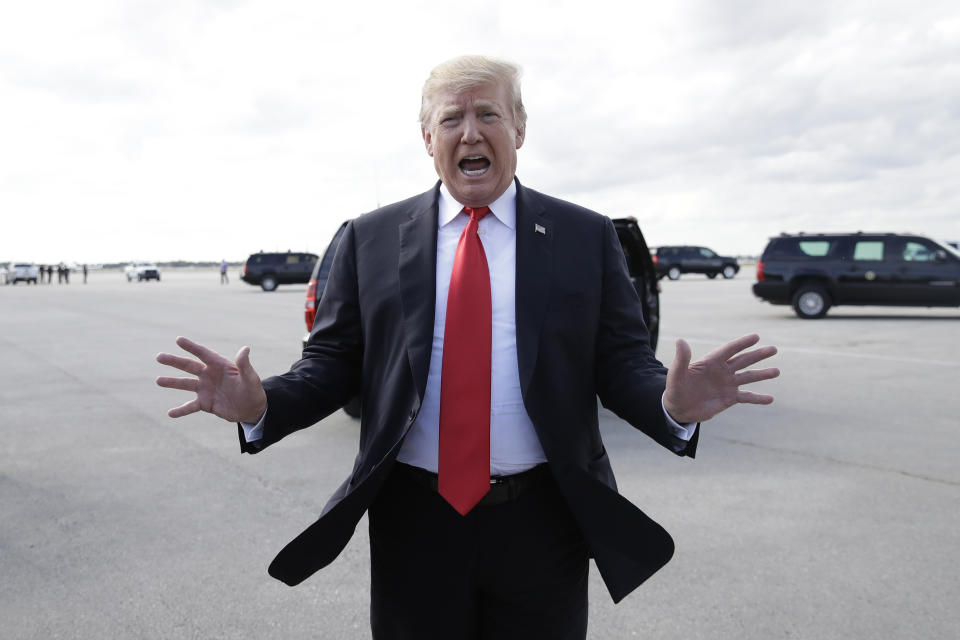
(474, 165)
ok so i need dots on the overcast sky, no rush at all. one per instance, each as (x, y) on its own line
(201, 130)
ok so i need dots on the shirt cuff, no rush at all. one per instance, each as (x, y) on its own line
(254, 431)
(682, 431)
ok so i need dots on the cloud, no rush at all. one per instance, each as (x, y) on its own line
(728, 121)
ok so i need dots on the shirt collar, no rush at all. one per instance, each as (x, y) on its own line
(503, 208)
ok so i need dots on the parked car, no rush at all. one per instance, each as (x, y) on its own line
(3, 274)
(140, 271)
(813, 272)
(22, 272)
(272, 269)
(671, 261)
(635, 250)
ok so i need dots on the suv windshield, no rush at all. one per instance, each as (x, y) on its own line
(950, 248)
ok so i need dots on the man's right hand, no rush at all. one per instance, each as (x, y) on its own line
(227, 388)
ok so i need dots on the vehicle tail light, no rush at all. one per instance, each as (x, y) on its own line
(760, 276)
(310, 305)
(656, 260)
(244, 268)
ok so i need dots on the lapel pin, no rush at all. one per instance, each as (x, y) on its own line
(539, 228)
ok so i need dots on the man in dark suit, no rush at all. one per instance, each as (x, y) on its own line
(479, 322)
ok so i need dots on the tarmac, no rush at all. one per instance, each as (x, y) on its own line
(832, 513)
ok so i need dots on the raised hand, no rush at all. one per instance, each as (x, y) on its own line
(227, 388)
(697, 392)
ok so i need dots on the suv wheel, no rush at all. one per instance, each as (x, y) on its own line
(729, 271)
(673, 273)
(268, 283)
(811, 301)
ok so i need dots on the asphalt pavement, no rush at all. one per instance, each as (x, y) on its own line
(832, 513)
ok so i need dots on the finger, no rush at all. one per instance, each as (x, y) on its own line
(184, 384)
(185, 409)
(179, 362)
(243, 361)
(206, 355)
(755, 375)
(748, 397)
(751, 358)
(734, 347)
(681, 359)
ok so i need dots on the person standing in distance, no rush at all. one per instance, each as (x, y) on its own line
(479, 322)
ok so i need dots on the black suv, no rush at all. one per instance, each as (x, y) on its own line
(815, 271)
(271, 269)
(640, 264)
(672, 261)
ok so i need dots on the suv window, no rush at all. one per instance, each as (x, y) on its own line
(814, 248)
(798, 249)
(868, 250)
(914, 251)
(324, 267)
(267, 258)
(706, 253)
(634, 263)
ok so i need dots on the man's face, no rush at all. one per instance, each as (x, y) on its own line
(473, 141)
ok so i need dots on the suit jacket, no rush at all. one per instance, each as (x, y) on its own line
(580, 336)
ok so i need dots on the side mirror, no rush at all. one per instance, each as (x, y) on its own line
(940, 256)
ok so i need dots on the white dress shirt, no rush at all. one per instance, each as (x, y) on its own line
(514, 446)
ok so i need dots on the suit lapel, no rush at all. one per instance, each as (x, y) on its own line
(535, 233)
(417, 273)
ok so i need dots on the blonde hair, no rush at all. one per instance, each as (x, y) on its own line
(467, 72)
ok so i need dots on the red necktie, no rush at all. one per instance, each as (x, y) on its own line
(464, 463)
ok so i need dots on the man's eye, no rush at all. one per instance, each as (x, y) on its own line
(489, 116)
(450, 121)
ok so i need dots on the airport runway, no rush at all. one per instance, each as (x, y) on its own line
(831, 514)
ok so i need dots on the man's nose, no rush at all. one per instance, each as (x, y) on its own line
(471, 131)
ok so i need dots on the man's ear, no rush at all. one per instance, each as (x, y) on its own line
(521, 133)
(427, 140)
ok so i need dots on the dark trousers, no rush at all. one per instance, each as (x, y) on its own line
(515, 570)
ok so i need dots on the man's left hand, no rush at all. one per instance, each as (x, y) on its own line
(697, 392)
